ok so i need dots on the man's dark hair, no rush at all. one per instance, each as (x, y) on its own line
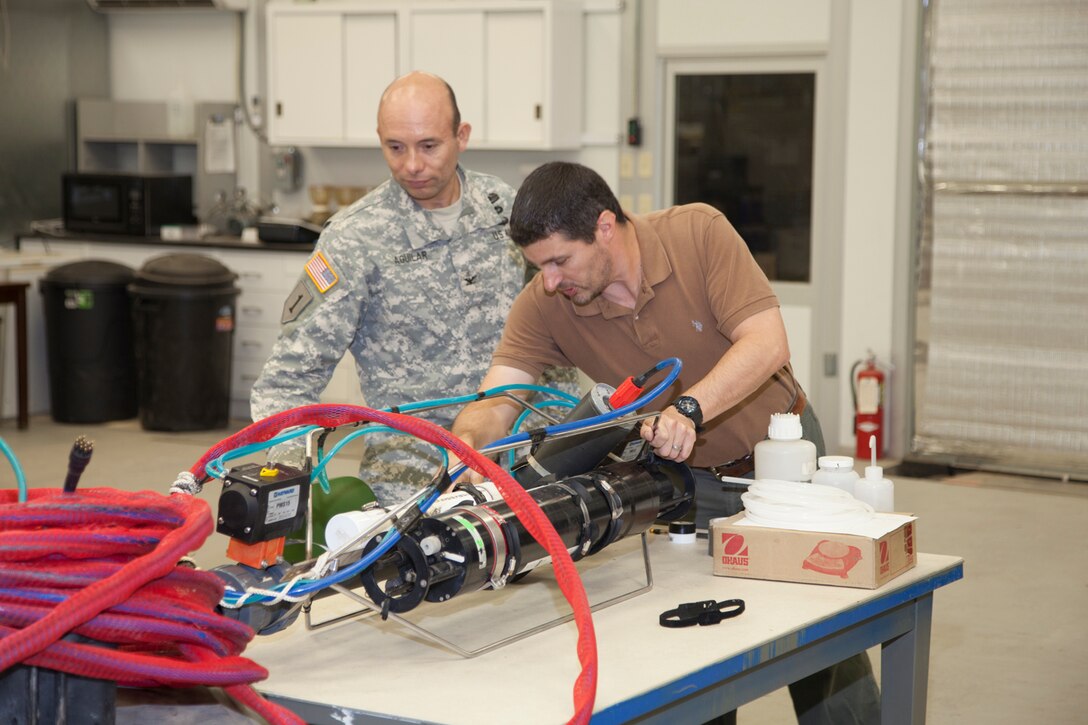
(456, 110)
(561, 197)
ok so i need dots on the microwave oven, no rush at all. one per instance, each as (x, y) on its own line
(116, 203)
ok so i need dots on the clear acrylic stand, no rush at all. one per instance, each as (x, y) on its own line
(369, 609)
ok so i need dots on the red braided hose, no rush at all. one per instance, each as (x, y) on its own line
(527, 510)
(103, 564)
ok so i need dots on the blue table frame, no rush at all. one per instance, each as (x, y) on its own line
(900, 622)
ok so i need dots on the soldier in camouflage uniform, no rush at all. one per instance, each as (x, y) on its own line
(415, 279)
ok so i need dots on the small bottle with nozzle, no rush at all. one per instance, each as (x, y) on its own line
(874, 489)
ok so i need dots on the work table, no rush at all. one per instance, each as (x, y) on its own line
(364, 670)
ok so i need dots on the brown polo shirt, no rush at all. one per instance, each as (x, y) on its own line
(699, 282)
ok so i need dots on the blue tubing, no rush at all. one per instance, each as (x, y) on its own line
(20, 477)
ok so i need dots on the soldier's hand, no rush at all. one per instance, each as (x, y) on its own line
(469, 475)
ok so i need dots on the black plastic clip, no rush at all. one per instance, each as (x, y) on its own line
(385, 608)
(536, 435)
(701, 613)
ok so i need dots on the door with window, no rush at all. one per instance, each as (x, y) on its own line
(749, 136)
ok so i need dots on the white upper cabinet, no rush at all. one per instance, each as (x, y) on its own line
(514, 81)
(432, 33)
(306, 77)
(328, 64)
(515, 66)
(370, 63)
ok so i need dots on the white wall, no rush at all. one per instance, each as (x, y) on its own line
(156, 54)
(873, 122)
(742, 24)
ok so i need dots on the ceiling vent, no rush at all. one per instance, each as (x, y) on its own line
(110, 6)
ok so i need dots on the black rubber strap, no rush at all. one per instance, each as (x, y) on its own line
(701, 613)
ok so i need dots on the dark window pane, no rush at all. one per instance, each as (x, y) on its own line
(744, 145)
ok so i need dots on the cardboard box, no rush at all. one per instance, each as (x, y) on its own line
(843, 560)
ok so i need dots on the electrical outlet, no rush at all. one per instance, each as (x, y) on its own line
(627, 166)
(645, 165)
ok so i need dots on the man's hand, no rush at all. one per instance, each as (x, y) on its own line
(759, 349)
(488, 420)
(470, 475)
(671, 434)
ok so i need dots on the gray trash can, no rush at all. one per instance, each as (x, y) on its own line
(183, 320)
(88, 329)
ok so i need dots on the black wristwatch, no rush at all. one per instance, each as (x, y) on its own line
(689, 408)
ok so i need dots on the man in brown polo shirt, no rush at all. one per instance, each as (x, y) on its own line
(615, 295)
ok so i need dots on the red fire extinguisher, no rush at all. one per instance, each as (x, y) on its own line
(867, 386)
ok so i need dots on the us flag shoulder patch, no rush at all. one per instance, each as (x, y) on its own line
(321, 272)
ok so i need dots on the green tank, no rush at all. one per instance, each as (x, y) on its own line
(346, 493)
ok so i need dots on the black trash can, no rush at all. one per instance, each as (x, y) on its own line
(88, 326)
(183, 308)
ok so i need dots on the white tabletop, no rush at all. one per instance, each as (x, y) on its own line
(371, 666)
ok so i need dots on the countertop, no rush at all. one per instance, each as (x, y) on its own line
(53, 230)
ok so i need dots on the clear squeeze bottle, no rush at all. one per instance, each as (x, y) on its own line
(785, 456)
(874, 489)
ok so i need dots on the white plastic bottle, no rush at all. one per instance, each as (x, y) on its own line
(874, 489)
(837, 472)
(785, 456)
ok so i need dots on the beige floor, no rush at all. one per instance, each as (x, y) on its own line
(1010, 641)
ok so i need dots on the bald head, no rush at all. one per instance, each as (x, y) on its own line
(419, 89)
(422, 137)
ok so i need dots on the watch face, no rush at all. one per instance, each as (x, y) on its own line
(689, 406)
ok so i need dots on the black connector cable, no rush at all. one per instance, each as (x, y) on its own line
(77, 462)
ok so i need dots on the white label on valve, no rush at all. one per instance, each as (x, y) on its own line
(632, 449)
(282, 504)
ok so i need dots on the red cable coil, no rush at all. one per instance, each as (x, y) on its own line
(103, 563)
(527, 510)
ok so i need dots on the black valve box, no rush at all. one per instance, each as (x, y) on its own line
(262, 502)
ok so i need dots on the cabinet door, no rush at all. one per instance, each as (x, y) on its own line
(370, 64)
(450, 44)
(306, 77)
(515, 77)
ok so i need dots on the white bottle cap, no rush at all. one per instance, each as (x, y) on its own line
(784, 427)
(836, 463)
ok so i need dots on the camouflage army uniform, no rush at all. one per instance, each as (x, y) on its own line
(420, 311)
